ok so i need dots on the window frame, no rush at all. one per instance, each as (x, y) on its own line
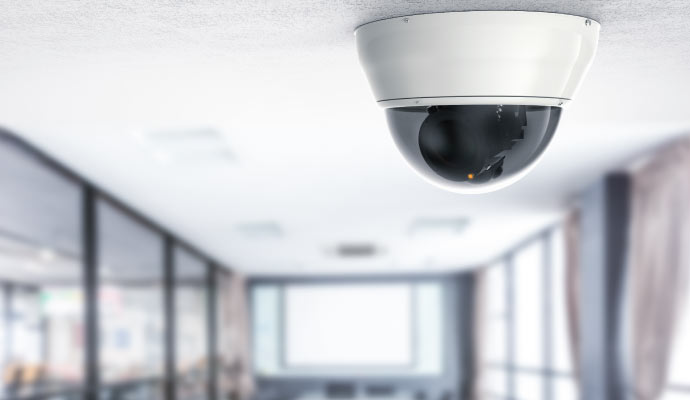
(548, 372)
(90, 195)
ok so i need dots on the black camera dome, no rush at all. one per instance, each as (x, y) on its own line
(473, 148)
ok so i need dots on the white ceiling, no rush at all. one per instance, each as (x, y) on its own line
(302, 144)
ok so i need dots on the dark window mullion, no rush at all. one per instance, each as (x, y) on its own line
(212, 327)
(169, 312)
(90, 281)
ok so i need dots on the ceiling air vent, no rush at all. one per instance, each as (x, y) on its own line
(260, 230)
(438, 226)
(356, 250)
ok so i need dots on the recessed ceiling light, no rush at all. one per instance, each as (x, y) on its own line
(188, 146)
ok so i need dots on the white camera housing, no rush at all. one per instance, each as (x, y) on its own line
(494, 82)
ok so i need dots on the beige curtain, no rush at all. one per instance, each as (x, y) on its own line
(658, 257)
(236, 378)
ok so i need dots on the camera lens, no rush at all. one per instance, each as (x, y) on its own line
(450, 146)
(461, 143)
(472, 145)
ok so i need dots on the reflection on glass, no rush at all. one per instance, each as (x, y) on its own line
(191, 311)
(41, 301)
(130, 271)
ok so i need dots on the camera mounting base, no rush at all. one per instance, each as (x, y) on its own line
(477, 57)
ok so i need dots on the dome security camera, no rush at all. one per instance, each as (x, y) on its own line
(473, 98)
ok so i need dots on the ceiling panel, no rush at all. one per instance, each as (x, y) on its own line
(280, 85)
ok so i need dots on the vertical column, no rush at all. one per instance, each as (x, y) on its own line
(90, 276)
(212, 332)
(603, 230)
(169, 309)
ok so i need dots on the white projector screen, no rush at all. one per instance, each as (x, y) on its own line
(345, 325)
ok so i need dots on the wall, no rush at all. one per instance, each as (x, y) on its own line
(457, 310)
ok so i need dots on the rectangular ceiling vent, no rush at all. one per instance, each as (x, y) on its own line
(199, 146)
(357, 250)
(260, 230)
(439, 226)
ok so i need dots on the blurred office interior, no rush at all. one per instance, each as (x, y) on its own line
(202, 200)
(100, 302)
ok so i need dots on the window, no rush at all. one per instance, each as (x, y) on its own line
(495, 377)
(560, 363)
(191, 338)
(44, 340)
(347, 328)
(526, 339)
(348, 325)
(528, 321)
(266, 329)
(130, 271)
(41, 298)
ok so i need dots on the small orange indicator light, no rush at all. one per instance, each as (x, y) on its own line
(471, 176)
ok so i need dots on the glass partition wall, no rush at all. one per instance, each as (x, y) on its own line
(191, 314)
(97, 302)
(130, 300)
(41, 296)
(223, 356)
